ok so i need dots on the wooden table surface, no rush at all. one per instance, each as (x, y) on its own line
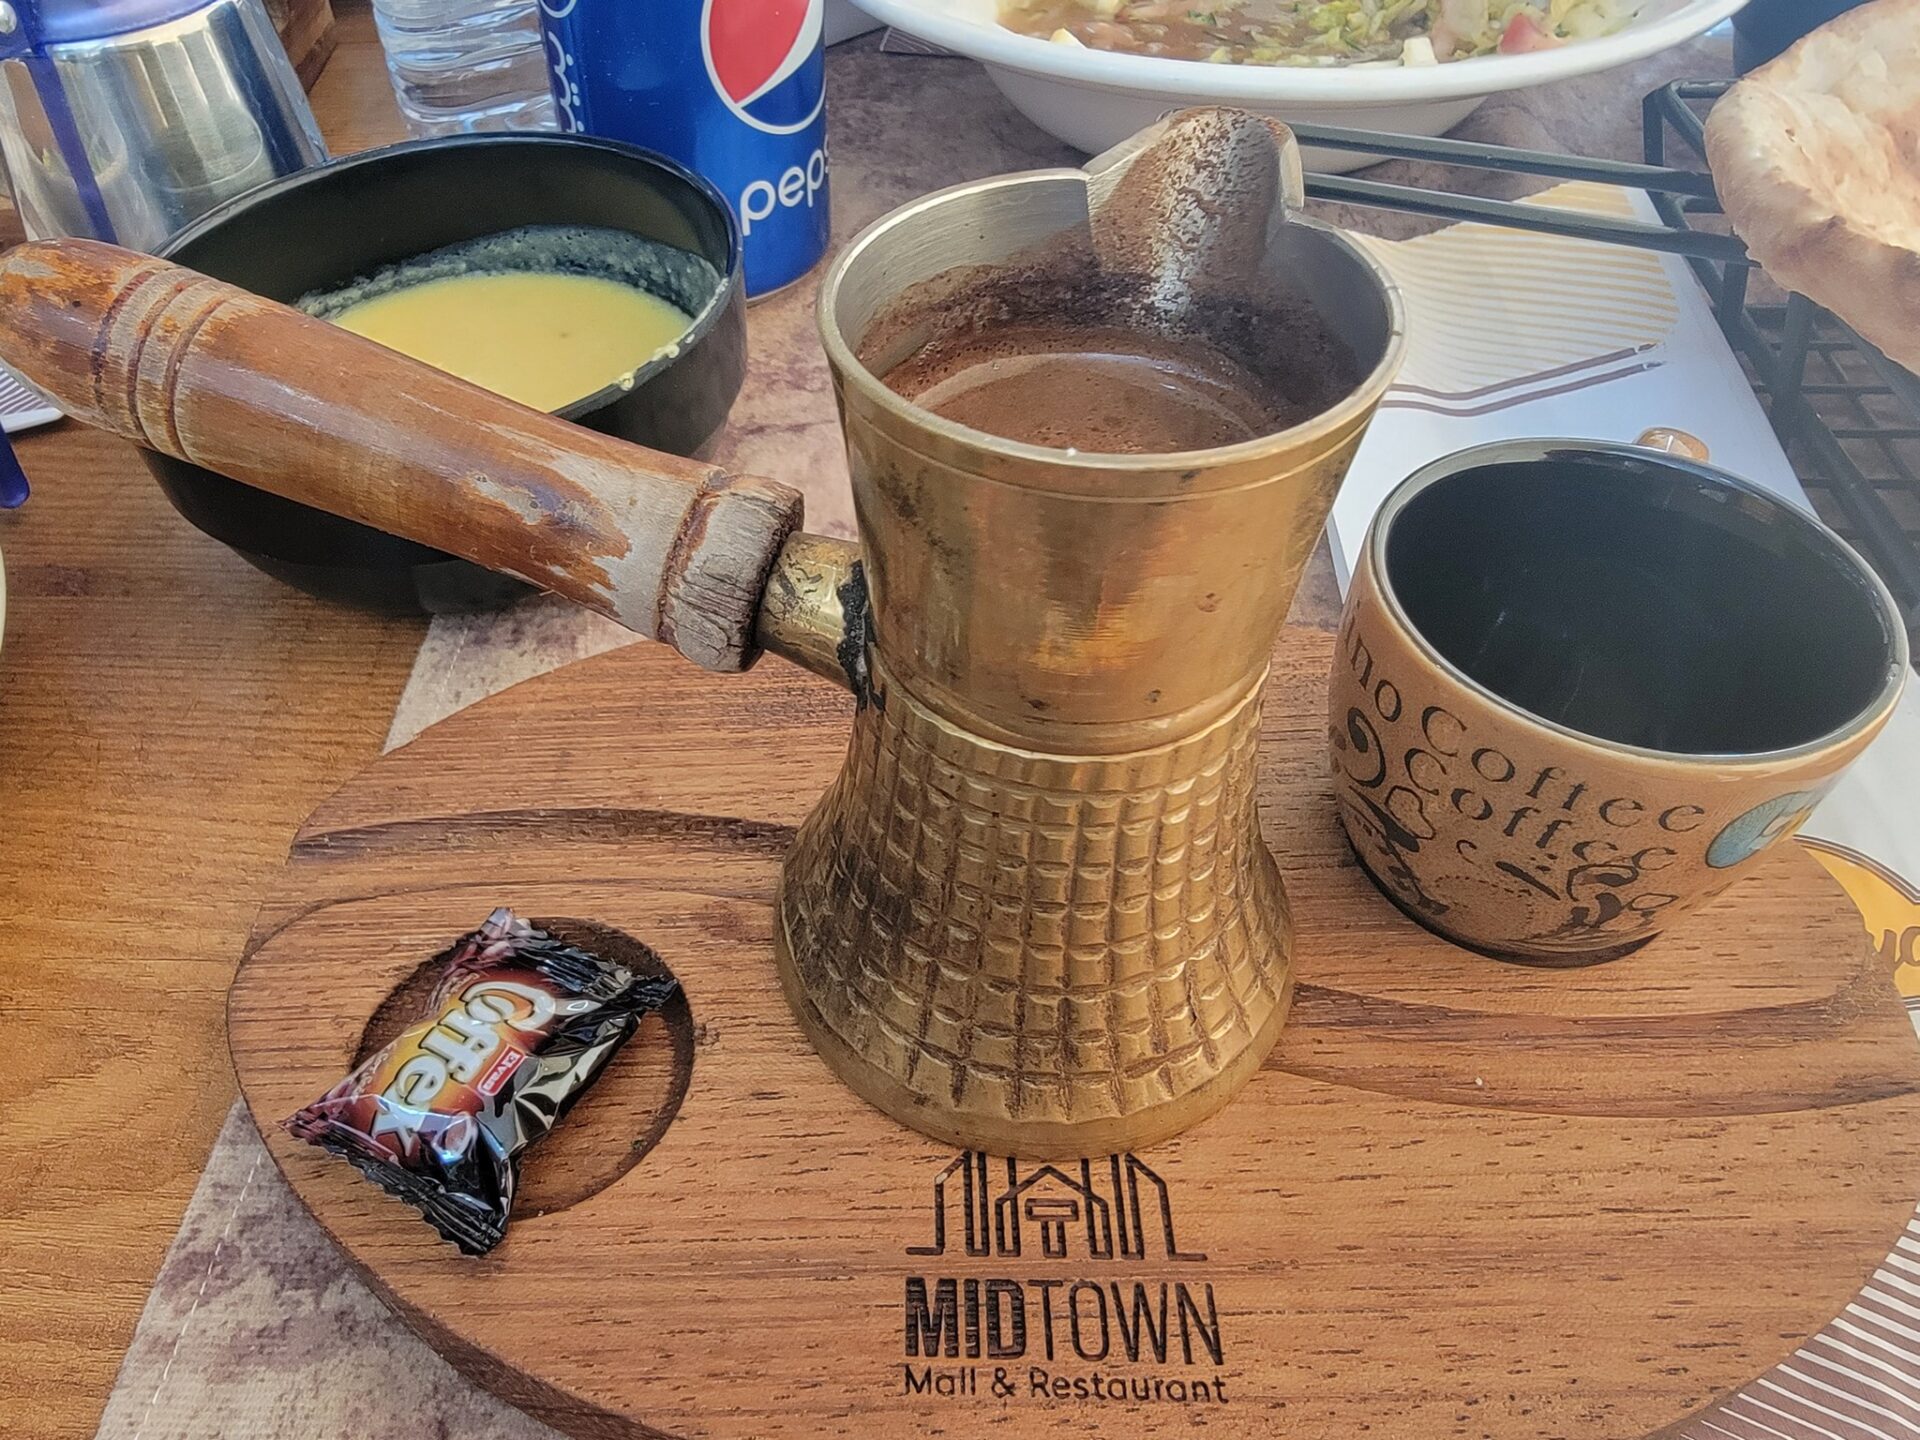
(167, 717)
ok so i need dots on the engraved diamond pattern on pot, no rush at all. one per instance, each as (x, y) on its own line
(1010, 930)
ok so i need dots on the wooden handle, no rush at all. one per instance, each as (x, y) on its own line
(196, 368)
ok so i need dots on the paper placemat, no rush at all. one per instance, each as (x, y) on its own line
(20, 407)
(899, 42)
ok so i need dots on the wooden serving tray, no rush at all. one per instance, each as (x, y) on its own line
(1463, 1198)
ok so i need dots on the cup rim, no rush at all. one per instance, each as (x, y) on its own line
(704, 323)
(1352, 406)
(1865, 721)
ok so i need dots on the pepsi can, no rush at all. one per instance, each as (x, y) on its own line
(735, 90)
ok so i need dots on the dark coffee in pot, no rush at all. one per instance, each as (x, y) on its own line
(1057, 351)
(1100, 389)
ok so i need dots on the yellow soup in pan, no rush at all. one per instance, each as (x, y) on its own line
(544, 339)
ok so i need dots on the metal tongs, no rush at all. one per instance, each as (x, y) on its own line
(1659, 180)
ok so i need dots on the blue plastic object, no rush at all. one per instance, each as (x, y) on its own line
(65, 22)
(13, 480)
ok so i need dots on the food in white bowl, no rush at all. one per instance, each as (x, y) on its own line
(1092, 92)
(1316, 32)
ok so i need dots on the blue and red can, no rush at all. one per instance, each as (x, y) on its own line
(735, 90)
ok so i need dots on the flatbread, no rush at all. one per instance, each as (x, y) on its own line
(1816, 156)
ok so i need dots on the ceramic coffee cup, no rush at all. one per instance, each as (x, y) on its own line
(1580, 687)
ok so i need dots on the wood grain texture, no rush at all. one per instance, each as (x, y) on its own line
(167, 713)
(306, 28)
(1461, 1199)
(674, 549)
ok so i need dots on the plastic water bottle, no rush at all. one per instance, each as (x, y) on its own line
(462, 65)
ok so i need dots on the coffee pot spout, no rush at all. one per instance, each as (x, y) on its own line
(674, 549)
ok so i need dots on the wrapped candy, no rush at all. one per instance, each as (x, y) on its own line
(518, 1027)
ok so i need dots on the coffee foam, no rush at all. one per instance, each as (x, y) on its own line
(1270, 359)
(1098, 390)
(1175, 296)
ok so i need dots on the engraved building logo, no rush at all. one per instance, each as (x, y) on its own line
(1052, 1209)
(1070, 1280)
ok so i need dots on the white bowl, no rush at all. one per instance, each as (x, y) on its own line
(1093, 98)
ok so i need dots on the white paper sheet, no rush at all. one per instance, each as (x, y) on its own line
(20, 407)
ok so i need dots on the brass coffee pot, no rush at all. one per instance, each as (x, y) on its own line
(1034, 914)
